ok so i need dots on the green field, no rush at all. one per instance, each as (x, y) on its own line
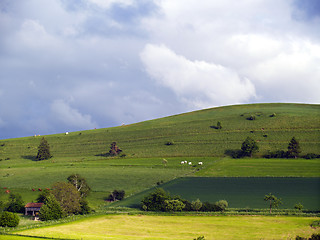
(242, 192)
(179, 227)
(194, 139)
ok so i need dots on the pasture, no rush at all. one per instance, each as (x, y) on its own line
(136, 227)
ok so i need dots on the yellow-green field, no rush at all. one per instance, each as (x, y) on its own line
(179, 227)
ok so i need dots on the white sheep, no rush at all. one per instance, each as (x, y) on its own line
(200, 163)
(190, 163)
(67, 133)
(182, 162)
(185, 162)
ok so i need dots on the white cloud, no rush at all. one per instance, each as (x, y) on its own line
(70, 117)
(108, 3)
(199, 83)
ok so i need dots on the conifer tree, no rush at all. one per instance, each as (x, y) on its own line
(114, 149)
(293, 148)
(43, 150)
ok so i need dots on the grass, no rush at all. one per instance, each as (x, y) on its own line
(180, 227)
(192, 133)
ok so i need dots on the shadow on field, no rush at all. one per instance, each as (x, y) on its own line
(30, 157)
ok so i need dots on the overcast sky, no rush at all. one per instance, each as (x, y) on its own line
(68, 65)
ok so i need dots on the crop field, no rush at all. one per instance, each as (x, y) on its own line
(242, 192)
(136, 227)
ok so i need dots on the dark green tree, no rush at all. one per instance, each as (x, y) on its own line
(219, 126)
(221, 205)
(196, 205)
(298, 206)
(51, 210)
(43, 150)
(249, 146)
(84, 206)
(155, 200)
(9, 219)
(116, 195)
(15, 203)
(273, 201)
(114, 150)
(173, 205)
(67, 196)
(80, 183)
(42, 198)
(293, 148)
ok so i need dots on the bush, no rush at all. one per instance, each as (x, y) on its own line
(15, 204)
(51, 210)
(276, 154)
(155, 200)
(168, 143)
(311, 156)
(221, 205)
(252, 117)
(173, 205)
(9, 219)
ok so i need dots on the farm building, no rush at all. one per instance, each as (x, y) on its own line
(32, 208)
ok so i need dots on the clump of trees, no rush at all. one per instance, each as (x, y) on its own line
(15, 203)
(248, 148)
(43, 150)
(116, 195)
(65, 198)
(160, 200)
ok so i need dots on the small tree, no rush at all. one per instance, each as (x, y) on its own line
(43, 150)
(273, 201)
(196, 205)
(51, 210)
(15, 203)
(114, 150)
(249, 146)
(9, 219)
(174, 205)
(298, 206)
(80, 183)
(293, 148)
(221, 205)
(116, 195)
(219, 126)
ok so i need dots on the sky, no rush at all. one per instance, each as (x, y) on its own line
(72, 65)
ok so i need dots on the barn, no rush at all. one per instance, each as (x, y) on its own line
(32, 208)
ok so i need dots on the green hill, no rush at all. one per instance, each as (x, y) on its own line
(194, 139)
(193, 134)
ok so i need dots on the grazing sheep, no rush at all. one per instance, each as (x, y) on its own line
(200, 163)
(67, 133)
(190, 163)
(182, 162)
(185, 162)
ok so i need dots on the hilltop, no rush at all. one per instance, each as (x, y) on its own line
(190, 134)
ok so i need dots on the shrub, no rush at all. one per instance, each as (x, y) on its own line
(208, 207)
(116, 195)
(9, 219)
(252, 117)
(311, 156)
(221, 205)
(168, 143)
(173, 205)
(196, 205)
(276, 154)
(155, 200)
(298, 206)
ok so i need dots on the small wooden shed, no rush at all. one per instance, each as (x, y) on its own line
(32, 208)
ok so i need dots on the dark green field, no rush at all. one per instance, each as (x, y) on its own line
(242, 192)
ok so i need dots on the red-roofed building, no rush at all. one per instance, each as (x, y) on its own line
(32, 208)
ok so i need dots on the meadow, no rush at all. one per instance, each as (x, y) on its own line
(179, 227)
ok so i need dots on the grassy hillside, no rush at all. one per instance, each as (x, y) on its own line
(195, 139)
(193, 134)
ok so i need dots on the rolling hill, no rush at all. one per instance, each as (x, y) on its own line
(194, 137)
(193, 134)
